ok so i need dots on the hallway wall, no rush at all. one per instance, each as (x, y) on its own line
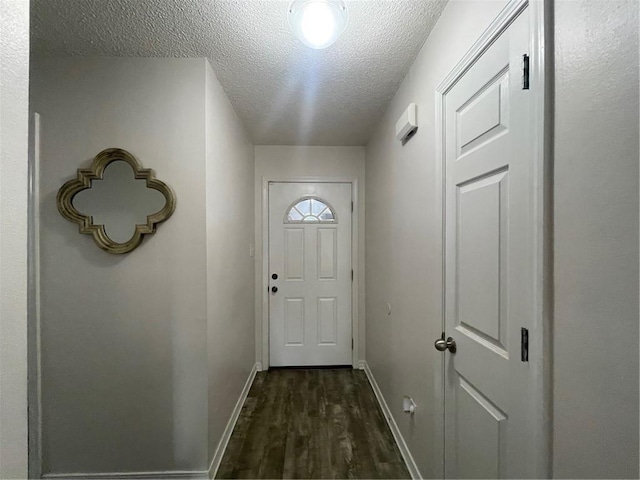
(230, 268)
(282, 162)
(403, 234)
(14, 109)
(596, 240)
(595, 227)
(135, 349)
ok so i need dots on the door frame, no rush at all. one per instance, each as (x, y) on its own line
(34, 361)
(540, 69)
(264, 362)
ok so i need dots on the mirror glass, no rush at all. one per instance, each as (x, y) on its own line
(119, 201)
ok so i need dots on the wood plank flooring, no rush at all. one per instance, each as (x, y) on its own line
(312, 423)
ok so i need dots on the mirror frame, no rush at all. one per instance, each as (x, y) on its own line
(96, 172)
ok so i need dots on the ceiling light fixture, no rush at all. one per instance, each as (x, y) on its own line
(318, 23)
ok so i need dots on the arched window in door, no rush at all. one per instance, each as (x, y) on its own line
(310, 210)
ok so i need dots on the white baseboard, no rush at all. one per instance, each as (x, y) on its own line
(404, 450)
(173, 475)
(226, 435)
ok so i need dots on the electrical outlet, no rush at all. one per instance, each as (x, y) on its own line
(252, 251)
(408, 405)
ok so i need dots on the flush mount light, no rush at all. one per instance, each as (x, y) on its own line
(318, 23)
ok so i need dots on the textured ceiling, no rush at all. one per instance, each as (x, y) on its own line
(284, 92)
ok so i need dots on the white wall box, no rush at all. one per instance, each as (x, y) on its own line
(407, 124)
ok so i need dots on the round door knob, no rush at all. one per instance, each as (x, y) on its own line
(449, 344)
(274, 276)
(274, 289)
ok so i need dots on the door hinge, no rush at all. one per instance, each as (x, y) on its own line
(352, 206)
(352, 344)
(525, 72)
(524, 344)
(352, 275)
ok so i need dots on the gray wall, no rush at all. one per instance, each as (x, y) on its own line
(14, 93)
(127, 371)
(403, 238)
(596, 240)
(595, 331)
(230, 268)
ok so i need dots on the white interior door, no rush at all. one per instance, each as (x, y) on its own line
(489, 259)
(310, 274)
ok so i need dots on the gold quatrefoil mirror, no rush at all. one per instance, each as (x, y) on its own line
(116, 200)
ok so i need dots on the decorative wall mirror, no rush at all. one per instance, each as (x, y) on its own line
(116, 200)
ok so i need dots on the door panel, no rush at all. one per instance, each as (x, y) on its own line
(486, 115)
(482, 434)
(488, 263)
(327, 253)
(327, 321)
(310, 313)
(294, 321)
(294, 254)
(482, 238)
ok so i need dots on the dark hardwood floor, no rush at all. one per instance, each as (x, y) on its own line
(312, 423)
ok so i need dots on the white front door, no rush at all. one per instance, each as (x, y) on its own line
(310, 274)
(489, 264)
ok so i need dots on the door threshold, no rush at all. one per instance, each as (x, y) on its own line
(313, 367)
